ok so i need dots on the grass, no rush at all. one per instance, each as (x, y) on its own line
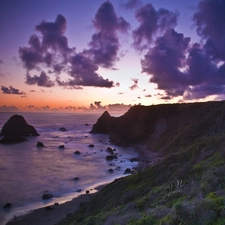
(186, 187)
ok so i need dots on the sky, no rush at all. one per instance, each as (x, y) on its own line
(85, 55)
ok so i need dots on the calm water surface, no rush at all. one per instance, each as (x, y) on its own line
(26, 171)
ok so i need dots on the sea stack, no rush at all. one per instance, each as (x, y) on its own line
(16, 128)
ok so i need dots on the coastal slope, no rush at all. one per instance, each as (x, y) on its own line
(187, 186)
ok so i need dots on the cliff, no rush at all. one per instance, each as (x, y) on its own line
(163, 125)
(185, 187)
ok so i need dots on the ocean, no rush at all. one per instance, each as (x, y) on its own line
(27, 171)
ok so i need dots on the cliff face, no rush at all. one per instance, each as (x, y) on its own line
(185, 187)
(170, 124)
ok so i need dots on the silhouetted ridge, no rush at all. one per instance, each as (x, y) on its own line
(142, 124)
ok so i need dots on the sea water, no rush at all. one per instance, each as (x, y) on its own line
(27, 171)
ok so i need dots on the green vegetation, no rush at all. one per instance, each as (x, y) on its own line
(187, 187)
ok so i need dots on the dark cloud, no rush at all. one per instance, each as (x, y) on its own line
(170, 49)
(47, 107)
(73, 108)
(43, 80)
(135, 85)
(12, 90)
(131, 4)
(84, 73)
(51, 51)
(104, 45)
(104, 49)
(188, 70)
(8, 108)
(53, 35)
(1, 61)
(152, 23)
(106, 20)
(96, 106)
(209, 20)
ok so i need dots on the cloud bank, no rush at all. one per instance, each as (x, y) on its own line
(179, 67)
(173, 62)
(51, 51)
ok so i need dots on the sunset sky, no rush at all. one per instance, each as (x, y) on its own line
(85, 55)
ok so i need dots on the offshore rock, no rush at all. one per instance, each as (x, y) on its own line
(47, 196)
(111, 157)
(17, 126)
(12, 139)
(40, 144)
(63, 129)
(7, 205)
(15, 129)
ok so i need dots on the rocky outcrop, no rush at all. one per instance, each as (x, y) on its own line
(153, 125)
(46, 196)
(63, 129)
(12, 139)
(15, 129)
(40, 144)
(17, 126)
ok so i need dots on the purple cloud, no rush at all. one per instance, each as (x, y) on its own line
(209, 20)
(171, 50)
(104, 45)
(8, 108)
(152, 22)
(43, 80)
(12, 90)
(84, 73)
(131, 4)
(135, 85)
(51, 51)
(188, 70)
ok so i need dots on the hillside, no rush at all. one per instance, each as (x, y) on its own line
(186, 187)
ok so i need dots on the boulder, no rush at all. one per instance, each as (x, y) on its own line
(17, 126)
(39, 144)
(76, 178)
(62, 129)
(7, 205)
(91, 146)
(12, 139)
(77, 153)
(110, 170)
(127, 171)
(61, 146)
(111, 157)
(133, 159)
(47, 196)
(109, 150)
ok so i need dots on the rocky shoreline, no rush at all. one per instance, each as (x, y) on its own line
(55, 213)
